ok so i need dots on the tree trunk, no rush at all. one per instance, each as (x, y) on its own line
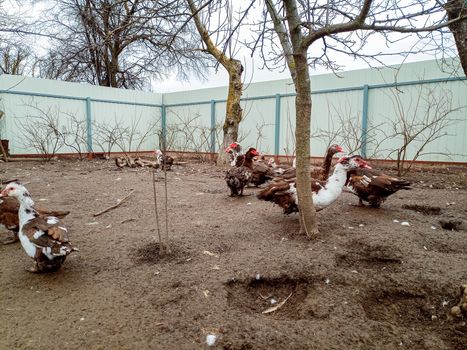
(233, 113)
(112, 71)
(455, 9)
(307, 212)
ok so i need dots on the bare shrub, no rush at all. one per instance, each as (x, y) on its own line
(74, 134)
(108, 135)
(344, 127)
(420, 122)
(40, 130)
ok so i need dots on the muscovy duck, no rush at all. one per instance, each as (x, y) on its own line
(163, 160)
(284, 193)
(238, 177)
(373, 186)
(319, 173)
(44, 238)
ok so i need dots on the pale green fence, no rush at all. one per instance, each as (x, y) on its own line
(365, 118)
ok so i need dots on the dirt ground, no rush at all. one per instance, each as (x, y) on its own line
(366, 282)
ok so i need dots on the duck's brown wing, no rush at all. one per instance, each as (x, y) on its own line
(57, 213)
(43, 229)
(9, 207)
(356, 184)
(317, 185)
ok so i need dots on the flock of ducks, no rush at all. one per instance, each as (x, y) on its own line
(350, 172)
(44, 237)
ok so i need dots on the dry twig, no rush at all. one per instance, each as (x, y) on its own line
(278, 306)
(116, 205)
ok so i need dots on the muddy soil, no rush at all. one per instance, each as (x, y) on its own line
(366, 282)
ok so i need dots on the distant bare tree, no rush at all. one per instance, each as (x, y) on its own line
(13, 59)
(15, 51)
(123, 43)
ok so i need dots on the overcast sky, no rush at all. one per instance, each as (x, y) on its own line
(254, 73)
(253, 65)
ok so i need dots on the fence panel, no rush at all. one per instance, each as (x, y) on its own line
(337, 118)
(42, 123)
(434, 113)
(367, 119)
(128, 128)
(189, 128)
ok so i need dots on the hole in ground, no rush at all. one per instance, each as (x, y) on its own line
(452, 225)
(150, 254)
(420, 309)
(398, 307)
(255, 296)
(424, 209)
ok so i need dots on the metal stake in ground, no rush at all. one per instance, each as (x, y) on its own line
(164, 247)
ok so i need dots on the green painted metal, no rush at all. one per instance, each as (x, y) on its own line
(277, 125)
(363, 145)
(213, 126)
(164, 126)
(37, 94)
(277, 97)
(140, 104)
(254, 98)
(88, 125)
(75, 98)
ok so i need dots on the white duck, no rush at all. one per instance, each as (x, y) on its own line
(163, 160)
(44, 238)
(284, 193)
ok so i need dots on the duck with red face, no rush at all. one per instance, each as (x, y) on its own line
(238, 177)
(235, 153)
(283, 192)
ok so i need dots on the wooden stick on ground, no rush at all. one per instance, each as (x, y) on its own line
(278, 306)
(116, 205)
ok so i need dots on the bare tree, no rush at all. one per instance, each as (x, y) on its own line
(457, 9)
(123, 43)
(224, 32)
(343, 27)
(15, 51)
(13, 59)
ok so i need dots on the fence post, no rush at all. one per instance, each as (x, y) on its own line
(213, 126)
(164, 126)
(89, 127)
(277, 125)
(366, 90)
